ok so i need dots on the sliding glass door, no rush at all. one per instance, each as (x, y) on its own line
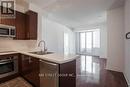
(82, 42)
(89, 42)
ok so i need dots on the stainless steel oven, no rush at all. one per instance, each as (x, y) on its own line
(8, 66)
(7, 31)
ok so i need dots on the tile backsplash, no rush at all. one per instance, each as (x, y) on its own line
(11, 45)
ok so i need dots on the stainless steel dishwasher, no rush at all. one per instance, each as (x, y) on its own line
(48, 74)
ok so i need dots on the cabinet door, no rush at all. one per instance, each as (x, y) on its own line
(30, 70)
(70, 69)
(20, 26)
(26, 65)
(34, 74)
(8, 21)
(31, 22)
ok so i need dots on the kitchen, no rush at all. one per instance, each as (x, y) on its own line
(19, 57)
(59, 43)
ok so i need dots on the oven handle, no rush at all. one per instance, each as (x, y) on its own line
(5, 62)
(8, 60)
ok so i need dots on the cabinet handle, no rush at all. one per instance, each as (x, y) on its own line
(30, 61)
(53, 64)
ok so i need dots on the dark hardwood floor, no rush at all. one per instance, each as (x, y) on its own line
(91, 72)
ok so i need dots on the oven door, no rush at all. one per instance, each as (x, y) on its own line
(4, 32)
(7, 67)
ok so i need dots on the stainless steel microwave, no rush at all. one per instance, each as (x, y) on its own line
(7, 31)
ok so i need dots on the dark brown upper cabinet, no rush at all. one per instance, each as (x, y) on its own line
(25, 23)
(31, 25)
(8, 21)
(20, 24)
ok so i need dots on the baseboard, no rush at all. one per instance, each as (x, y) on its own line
(127, 80)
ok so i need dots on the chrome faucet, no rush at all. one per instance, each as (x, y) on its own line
(39, 44)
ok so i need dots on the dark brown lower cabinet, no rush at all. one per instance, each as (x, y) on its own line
(68, 69)
(43, 73)
(30, 69)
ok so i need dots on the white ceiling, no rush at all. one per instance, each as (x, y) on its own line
(77, 13)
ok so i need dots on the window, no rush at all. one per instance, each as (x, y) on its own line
(66, 43)
(96, 38)
(89, 41)
(82, 42)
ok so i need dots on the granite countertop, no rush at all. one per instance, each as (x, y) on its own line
(54, 57)
(8, 52)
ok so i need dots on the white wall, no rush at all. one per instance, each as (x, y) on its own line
(103, 39)
(127, 42)
(53, 34)
(115, 26)
(103, 49)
